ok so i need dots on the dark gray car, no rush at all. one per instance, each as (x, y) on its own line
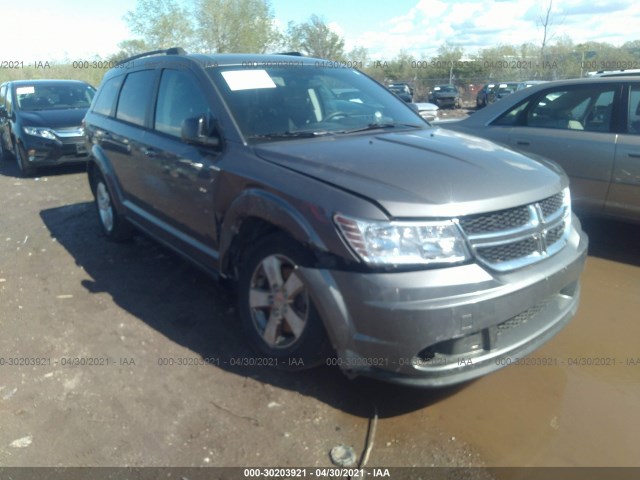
(445, 96)
(591, 127)
(356, 234)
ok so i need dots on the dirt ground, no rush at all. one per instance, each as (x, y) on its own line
(110, 341)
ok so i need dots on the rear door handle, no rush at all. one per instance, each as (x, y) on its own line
(634, 155)
(522, 142)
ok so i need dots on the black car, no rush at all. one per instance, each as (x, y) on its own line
(485, 95)
(402, 90)
(504, 89)
(355, 233)
(41, 122)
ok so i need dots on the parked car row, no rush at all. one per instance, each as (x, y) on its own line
(491, 92)
(428, 111)
(355, 233)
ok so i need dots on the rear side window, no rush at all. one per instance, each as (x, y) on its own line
(135, 97)
(179, 98)
(106, 101)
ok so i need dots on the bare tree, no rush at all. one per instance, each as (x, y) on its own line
(546, 22)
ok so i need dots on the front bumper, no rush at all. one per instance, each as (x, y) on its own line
(43, 151)
(444, 102)
(440, 327)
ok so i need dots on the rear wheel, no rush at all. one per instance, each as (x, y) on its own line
(113, 225)
(276, 309)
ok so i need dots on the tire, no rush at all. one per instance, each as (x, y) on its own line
(26, 170)
(113, 225)
(4, 153)
(277, 314)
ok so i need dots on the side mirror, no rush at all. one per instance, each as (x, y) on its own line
(199, 131)
(3, 112)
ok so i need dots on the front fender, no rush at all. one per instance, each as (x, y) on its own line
(272, 209)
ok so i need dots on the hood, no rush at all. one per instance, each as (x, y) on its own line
(424, 173)
(53, 118)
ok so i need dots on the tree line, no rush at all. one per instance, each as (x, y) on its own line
(248, 26)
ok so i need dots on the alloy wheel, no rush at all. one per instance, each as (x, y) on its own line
(278, 301)
(105, 209)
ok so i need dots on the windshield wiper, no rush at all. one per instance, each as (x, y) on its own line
(301, 134)
(376, 126)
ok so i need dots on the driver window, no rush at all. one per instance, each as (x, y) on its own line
(179, 98)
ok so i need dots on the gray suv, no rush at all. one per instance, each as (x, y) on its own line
(356, 234)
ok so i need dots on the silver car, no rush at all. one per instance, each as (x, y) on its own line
(591, 127)
(428, 111)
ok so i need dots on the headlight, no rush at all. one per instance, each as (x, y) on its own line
(40, 132)
(403, 243)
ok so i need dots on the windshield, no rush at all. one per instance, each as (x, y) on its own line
(47, 97)
(309, 101)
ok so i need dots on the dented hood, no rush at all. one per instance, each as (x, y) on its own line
(420, 173)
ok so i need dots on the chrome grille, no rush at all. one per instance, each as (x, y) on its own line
(551, 205)
(508, 251)
(555, 234)
(67, 132)
(509, 239)
(496, 221)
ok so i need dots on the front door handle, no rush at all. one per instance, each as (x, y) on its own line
(522, 142)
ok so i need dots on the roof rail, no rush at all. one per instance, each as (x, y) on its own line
(293, 54)
(167, 51)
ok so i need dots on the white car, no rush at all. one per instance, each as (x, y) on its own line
(428, 111)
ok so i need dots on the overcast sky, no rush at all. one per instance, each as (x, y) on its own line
(42, 30)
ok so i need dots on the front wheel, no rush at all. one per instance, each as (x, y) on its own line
(26, 170)
(113, 225)
(276, 310)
